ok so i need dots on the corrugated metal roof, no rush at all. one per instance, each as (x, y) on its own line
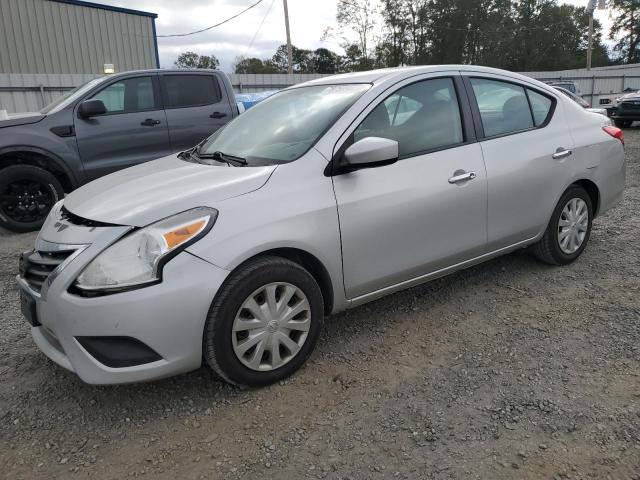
(82, 3)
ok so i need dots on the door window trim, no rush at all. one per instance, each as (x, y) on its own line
(475, 109)
(165, 94)
(157, 98)
(464, 105)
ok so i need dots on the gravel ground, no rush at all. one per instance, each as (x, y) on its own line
(511, 369)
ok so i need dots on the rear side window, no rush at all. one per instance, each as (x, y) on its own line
(503, 106)
(128, 96)
(421, 117)
(540, 105)
(190, 90)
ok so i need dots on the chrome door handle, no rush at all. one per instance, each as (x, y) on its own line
(461, 176)
(560, 154)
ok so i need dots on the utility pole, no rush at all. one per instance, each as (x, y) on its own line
(286, 24)
(590, 50)
(602, 5)
(590, 9)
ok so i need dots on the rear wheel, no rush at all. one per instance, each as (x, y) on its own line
(264, 322)
(623, 123)
(568, 231)
(27, 193)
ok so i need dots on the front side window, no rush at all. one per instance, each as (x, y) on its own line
(503, 106)
(128, 96)
(421, 117)
(190, 90)
(283, 127)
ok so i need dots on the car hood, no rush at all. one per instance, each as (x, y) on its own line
(145, 193)
(15, 119)
(631, 96)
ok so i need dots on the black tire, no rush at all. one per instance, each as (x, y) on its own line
(548, 248)
(217, 346)
(27, 193)
(623, 123)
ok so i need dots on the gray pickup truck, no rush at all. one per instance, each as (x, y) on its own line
(102, 126)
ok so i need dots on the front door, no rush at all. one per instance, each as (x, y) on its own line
(425, 212)
(134, 129)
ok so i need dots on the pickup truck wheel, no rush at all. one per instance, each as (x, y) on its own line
(264, 322)
(623, 123)
(569, 229)
(27, 193)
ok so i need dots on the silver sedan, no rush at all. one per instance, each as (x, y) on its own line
(323, 197)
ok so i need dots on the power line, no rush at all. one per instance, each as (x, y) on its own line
(213, 26)
(260, 26)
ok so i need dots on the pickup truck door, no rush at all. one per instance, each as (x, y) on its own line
(134, 129)
(196, 106)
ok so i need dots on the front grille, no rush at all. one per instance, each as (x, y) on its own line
(35, 266)
(635, 105)
(74, 219)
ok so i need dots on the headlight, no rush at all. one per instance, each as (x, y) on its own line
(616, 101)
(137, 259)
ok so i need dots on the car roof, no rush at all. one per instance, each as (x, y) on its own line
(386, 74)
(163, 70)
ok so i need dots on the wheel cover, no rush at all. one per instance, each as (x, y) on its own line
(26, 200)
(271, 326)
(573, 225)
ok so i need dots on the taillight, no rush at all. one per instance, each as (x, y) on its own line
(615, 132)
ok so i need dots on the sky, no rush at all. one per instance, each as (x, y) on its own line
(256, 33)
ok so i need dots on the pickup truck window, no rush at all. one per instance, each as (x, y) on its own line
(128, 96)
(286, 125)
(71, 96)
(190, 90)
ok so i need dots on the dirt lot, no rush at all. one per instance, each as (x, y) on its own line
(511, 369)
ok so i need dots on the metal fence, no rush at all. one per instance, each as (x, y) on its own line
(31, 92)
(596, 82)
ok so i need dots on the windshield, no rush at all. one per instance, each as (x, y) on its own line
(61, 102)
(283, 127)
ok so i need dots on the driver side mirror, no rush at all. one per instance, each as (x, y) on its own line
(370, 152)
(91, 108)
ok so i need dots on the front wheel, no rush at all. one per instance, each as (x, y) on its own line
(27, 193)
(264, 322)
(569, 229)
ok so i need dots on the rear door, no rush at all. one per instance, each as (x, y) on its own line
(196, 107)
(428, 210)
(528, 152)
(134, 129)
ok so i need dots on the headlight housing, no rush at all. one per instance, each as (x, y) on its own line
(137, 259)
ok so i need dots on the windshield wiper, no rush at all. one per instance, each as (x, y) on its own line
(222, 157)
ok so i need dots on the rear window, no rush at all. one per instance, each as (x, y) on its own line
(540, 105)
(190, 90)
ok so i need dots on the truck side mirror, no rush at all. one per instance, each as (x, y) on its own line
(91, 108)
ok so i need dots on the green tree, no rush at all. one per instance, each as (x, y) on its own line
(357, 16)
(324, 60)
(302, 59)
(254, 65)
(626, 26)
(191, 59)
